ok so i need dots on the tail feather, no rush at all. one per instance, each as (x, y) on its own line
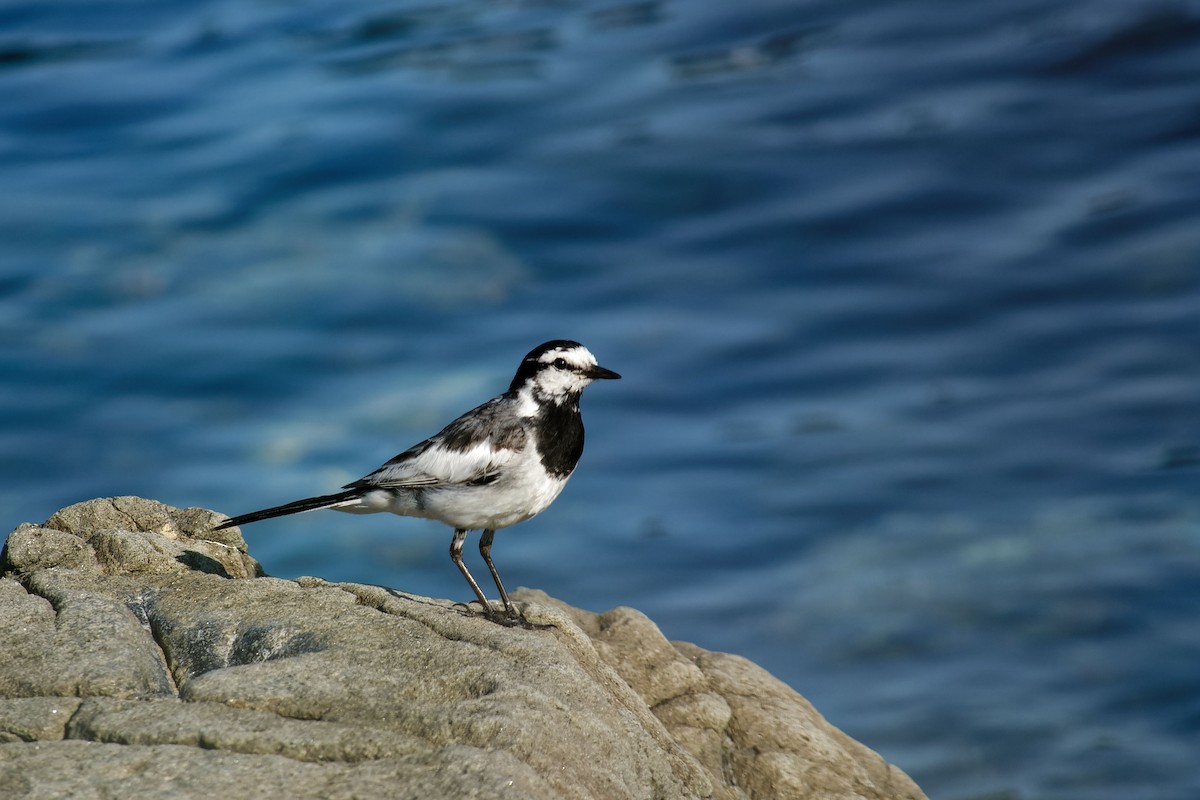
(308, 504)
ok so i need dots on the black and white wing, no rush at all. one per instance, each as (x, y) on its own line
(471, 450)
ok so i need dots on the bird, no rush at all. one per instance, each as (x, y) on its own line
(500, 463)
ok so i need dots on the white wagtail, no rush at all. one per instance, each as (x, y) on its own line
(499, 464)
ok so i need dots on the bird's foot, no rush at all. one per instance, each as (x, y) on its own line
(509, 617)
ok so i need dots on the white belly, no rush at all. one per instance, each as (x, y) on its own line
(517, 495)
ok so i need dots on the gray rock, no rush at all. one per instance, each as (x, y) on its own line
(83, 770)
(31, 719)
(148, 656)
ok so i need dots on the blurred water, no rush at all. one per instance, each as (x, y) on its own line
(904, 296)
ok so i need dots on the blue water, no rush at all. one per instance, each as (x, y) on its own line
(905, 296)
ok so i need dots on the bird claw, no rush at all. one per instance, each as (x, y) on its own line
(509, 617)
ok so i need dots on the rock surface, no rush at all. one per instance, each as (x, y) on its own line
(149, 656)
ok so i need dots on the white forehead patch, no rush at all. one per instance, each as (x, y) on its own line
(579, 357)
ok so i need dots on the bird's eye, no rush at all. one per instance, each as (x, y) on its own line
(560, 363)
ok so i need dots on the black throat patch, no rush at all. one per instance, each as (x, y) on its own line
(558, 429)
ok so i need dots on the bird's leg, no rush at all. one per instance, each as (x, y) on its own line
(485, 550)
(456, 546)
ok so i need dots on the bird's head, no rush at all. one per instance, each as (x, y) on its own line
(558, 371)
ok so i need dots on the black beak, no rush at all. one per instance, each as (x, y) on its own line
(600, 373)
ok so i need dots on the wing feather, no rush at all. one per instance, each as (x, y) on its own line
(472, 449)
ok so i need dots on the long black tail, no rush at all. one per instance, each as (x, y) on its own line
(308, 504)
